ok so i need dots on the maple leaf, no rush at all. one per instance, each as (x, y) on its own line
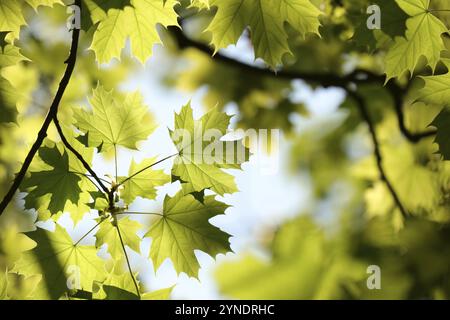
(61, 181)
(422, 38)
(11, 13)
(183, 228)
(266, 20)
(108, 234)
(57, 258)
(11, 18)
(114, 121)
(202, 154)
(10, 55)
(436, 89)
(136, 20)
(118, 285)
(143, 184)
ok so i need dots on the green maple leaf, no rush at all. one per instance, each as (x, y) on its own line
(183, 228)
(11, 13)
(58, 259)
(418, 187)
(136, 20)
(393, 23)
(437, 88)
(62, 174)
(442, 123)
(10, 55)
(422, 38)
(68, 189)
(266, 19)
(143, 184)
(118, 285)
(108, 234)
(114, 121)
(202, 155)
(11, 17)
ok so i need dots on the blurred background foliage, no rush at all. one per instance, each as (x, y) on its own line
(307, 257)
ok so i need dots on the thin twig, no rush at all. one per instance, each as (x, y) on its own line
(78, 155)
(115, 160)
(377, 151)
(128, 261)
(397, 94)
(92, 229)
(146, 168)
(53, 110)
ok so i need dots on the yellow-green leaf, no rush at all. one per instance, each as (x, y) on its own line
(266, 19)
(183, 228)
(136, 20)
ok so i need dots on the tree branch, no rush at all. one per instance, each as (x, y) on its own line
(78, 155)
(377, 152)
(397, 94)
(48, 119)
(324, 79)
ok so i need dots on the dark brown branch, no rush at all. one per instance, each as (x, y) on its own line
(397, 94)
(78, 155)
(48, 119)
(377, 151)
(325, 80)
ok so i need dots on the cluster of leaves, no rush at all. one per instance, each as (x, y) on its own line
(318, 41)
(182, 226)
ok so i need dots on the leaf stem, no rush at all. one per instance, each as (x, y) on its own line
(128, 261)
(146, 168)
(92, 229)
(148, 213)
(377, 151)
